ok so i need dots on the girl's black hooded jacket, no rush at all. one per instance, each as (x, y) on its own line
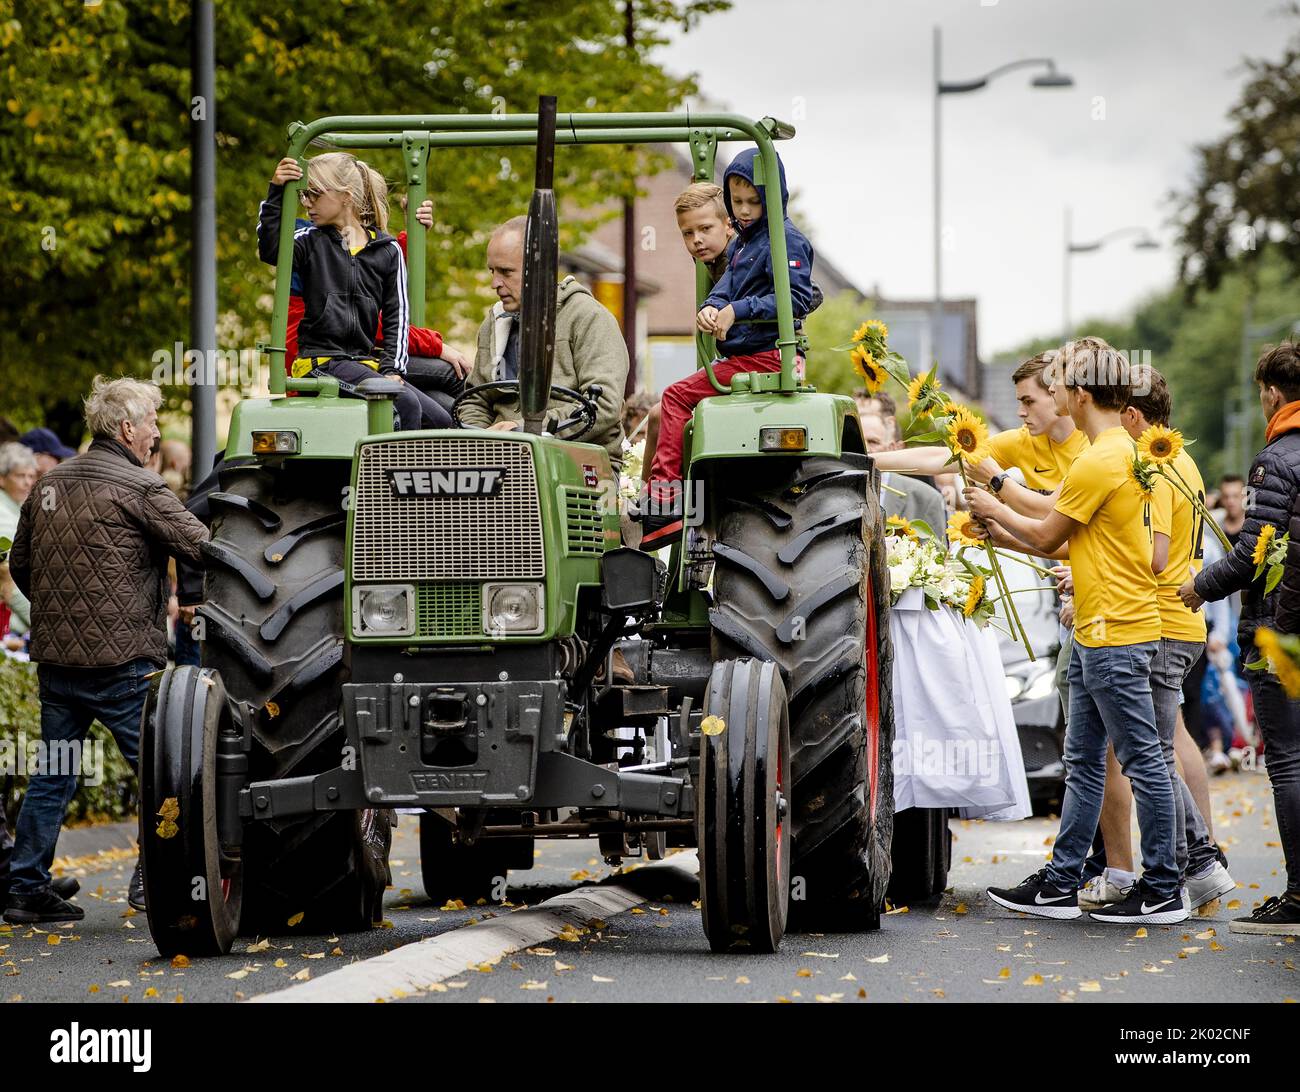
(343, 293)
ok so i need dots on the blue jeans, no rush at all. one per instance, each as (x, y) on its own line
(1110, 699)
(71, 698)
(1173, 662)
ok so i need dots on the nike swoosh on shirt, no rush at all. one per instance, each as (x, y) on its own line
(1042, 470)
(1038, 898)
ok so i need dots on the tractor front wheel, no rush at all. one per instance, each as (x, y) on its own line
(744, 848)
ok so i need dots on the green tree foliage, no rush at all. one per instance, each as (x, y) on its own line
(1245, 198)
(95, 116)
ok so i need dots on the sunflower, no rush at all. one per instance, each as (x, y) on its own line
(868, 328)
(1159, 444)
(959, 529)
(869, 368)
(921, 392)
(1262, 543)
(902, 527)
(1279, 661)
(1144, 475)
(973, 596)
(968, 436)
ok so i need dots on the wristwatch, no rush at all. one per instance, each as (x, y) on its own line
(995, 482)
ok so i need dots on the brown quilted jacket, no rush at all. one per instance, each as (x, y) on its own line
(91, 554)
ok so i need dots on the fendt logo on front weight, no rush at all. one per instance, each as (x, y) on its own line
(473, 481)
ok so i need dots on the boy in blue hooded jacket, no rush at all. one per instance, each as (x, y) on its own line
(746, 294)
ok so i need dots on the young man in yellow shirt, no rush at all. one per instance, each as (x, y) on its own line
(1041, 450)
(1182, 643)
(1105, 519)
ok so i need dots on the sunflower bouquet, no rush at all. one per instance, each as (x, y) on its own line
(1157, 448)
(916, 559)
(1279, 654)
(872, 358)
(955, 425)
(1270, 555)
(967, 437)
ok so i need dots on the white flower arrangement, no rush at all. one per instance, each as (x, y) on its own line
(917, 559)
(630, 479)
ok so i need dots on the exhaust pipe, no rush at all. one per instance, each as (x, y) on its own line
(541, 271)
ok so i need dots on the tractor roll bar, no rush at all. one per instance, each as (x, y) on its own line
(417, 134)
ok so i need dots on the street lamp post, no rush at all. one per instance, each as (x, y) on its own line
(1144, 242)
(1050, 78)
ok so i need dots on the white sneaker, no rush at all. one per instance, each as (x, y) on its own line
(1209, 885)
(1102, 891)
(1219, 763)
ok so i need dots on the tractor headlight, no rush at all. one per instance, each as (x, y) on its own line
(282, 442)
(383, 610)
(514, 608)
(783, 439)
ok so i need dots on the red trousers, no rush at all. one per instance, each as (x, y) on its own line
(679, 401)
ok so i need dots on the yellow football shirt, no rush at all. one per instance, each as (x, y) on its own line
(1042, 462)
(1173, 513)
(1110, 552)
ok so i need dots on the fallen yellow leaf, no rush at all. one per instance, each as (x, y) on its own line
(295, 920)
(1033, 980)
(180, 961)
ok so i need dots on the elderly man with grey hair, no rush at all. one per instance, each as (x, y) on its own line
(90, 552)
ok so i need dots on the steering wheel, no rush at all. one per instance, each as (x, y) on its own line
(573, 427)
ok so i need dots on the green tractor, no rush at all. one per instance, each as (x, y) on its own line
(427, 620)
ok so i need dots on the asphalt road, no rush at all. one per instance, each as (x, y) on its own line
(576, 930)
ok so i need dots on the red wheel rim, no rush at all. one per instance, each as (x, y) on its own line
(873, 700)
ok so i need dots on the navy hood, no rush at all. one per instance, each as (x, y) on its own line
(743, 167)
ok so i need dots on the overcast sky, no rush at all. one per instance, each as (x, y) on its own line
(1152, 78)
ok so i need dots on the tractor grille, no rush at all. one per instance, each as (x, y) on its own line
(446, 537)
(583, 531)
(448, 610)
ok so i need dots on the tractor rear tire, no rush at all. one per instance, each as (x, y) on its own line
(273, 629)
(800, 579)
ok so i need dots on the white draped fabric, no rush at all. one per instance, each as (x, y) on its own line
(955, 742)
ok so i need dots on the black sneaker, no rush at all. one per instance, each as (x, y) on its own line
(1037, 897)
(42, 906)
(65, 886)
(1278, 917)
(1144, 908)
(135, 892)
